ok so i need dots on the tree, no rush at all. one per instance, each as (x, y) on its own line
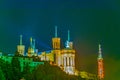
(16, 68)
(9, 72)
(26, 73)
(6, 69)
(2, 77)
(17, 54)
(49, 72)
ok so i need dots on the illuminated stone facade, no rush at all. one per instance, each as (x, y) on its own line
(32, 51)
(68, 60)
(46, 56)
(64, 58)
(21, 47)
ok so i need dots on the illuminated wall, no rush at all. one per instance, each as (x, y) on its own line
(68, 61)
(56, 49)
(56, 43)
(21, 47)
(68, 57)
(46, 56)
(32, 50)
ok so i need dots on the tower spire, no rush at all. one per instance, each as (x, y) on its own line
(68, 35)
(55, 31)
(100, 64)
(100, 52)
(31, 41)
(20, 39)
(56, 40)
(34, 43)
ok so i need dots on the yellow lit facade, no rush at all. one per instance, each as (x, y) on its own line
(56, 43)
(56, 50)
(64, 58)
(21, 47)
(68, 60)
(47, 56)
(32, 51)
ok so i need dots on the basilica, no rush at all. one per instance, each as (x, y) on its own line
(61, 57)
(64, 58)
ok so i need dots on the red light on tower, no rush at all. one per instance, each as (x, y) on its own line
(100, 65)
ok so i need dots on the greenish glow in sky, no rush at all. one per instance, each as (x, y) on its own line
(90, 22)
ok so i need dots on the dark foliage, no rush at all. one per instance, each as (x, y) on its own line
(48, 72)
(41, 72)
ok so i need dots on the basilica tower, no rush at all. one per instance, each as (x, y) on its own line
(21, 47)
(100, 64)
(68, 57)
(56, 40)
(31, 48)
(56, 48)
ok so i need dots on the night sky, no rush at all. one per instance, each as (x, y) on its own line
(90, 22)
